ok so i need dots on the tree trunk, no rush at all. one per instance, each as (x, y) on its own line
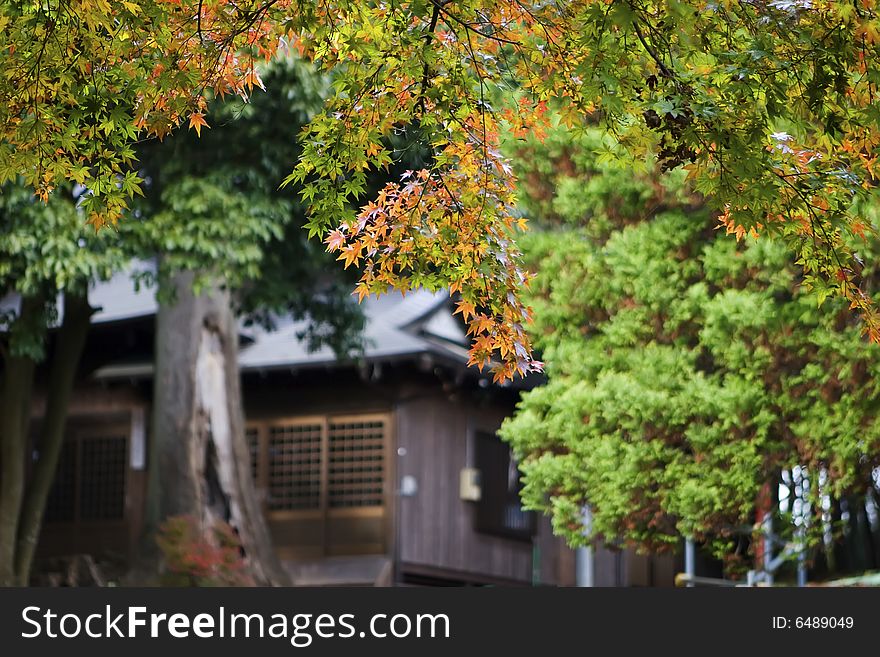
(15, 395)
(200, 462)
(65, 360)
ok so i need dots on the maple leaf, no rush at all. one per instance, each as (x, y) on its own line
(335, 240)
(350, 255)
(466, 308)
(196, 121)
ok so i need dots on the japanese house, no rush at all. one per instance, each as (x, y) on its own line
(381, 470)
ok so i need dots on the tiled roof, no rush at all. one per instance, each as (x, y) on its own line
(397, 326)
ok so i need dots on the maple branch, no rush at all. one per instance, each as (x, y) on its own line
(815, 220)
(483, 122)
(663, 68)
(458, 206)
(426, 72)
(199, 23)
(433, 24)
(441, 5)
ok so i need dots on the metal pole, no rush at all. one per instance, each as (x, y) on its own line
(802, 553)
(583, 556)
(690, 561)
(802, 530)
(768, 548)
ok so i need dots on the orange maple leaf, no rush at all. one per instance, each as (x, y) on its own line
(197, 120)
(466, 308)
(335, 240)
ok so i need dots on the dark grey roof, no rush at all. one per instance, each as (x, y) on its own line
(397, 326)
(117, 299)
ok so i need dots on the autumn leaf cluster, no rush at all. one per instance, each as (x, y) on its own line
(768, 106)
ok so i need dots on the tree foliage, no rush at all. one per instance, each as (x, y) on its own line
(212, 206)
(767, 105)
(47, 249)
(686, 370)
(47, 252)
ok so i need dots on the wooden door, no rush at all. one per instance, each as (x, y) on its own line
(324, 483)
(89, 504)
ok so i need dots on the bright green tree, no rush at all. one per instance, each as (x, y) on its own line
(686, 370)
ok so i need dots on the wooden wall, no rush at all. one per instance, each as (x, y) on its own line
(556, 560)
(432, 431)
(94, 412)
(436, 528)
(626, 568)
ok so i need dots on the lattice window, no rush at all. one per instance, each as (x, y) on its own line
(103, 464)
(61, 504)
(252, 435)
(324, 479)
(295, 467)
(90, 480)
(356, 464)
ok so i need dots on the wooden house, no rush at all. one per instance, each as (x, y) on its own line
(380, 470)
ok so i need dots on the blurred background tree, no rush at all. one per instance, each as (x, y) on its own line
(231, 246)
(47, 254)
(689, 374)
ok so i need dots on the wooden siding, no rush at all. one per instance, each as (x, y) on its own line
(626, 568)
(285, 394)
(556, 561)
(433, 532)
(436, 527)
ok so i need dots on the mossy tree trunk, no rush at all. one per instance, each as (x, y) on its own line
(200, 462)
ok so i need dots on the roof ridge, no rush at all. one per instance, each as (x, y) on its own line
(413, 306)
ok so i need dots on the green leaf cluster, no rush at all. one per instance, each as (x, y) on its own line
(212, 206)
(47, 249)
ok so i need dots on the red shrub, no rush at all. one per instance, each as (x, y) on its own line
(197, 557)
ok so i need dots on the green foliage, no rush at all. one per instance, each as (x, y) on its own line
(49, 244)
(47, 249)
(685, 369)
(586, 175)
(768, 106)
(213, 206)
